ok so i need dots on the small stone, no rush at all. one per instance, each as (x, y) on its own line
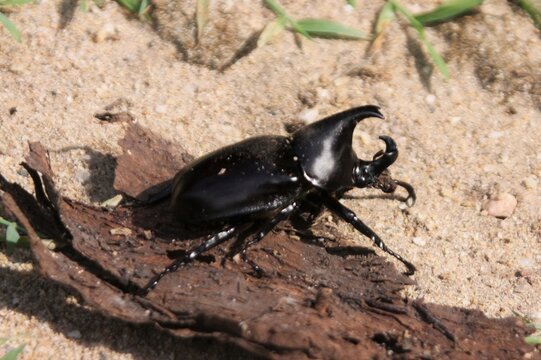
(323, 94)
(74, 334)
(112, 202)
(455, 120)
(160, 109)
(526, 263)
(419, 241)
(309, 115)
(430, 99)
(121, 231)
(530, 182)
(106, 32)
(501, 206)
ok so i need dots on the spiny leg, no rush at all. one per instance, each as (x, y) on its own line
(335, 206)
(262, 231)
(192, 254)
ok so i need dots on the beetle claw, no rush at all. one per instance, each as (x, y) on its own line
(412, 197)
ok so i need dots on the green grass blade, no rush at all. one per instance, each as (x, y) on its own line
(331, 29)
(533, 340)
(10, 27)
(448, 10)
(201, 16)
(13, 354)
(386, 15)
(533, 8)
(281, 13)
(131, 5)
(14, 2)
(271, 31)
(143, 6)
(436, 57)
(352, 3)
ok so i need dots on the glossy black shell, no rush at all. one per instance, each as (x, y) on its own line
(249, 179)
(259, 176)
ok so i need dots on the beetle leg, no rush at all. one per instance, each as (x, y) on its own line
(388, 185)
(192, 254)
(335, 206)
(264, 230)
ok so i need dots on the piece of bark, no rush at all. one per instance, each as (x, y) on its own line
(313, 302)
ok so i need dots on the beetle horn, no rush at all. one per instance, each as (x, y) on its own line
(387, 158)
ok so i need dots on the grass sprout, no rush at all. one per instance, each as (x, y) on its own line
(533, 8)
(4, 20)
(434, 55)
(138, 7)
(448, 10)
(331, 29)
(201, 16)
(309, 27)
(13, 354)
(13, 233)
(271, 31)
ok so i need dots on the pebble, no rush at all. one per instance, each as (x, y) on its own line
(160, 109)
(419, 241)
(501, 206)
(309, 115)
(430, 99)
(106, 32)
(530, 182)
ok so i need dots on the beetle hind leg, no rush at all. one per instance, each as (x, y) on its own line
(192, 254)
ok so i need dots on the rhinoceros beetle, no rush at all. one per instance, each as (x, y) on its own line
(264, 180)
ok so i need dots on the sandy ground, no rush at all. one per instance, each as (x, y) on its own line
(462, 141)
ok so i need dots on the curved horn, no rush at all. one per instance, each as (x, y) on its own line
(389, 156)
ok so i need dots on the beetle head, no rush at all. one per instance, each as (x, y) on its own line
(325, 152)
(367, 172)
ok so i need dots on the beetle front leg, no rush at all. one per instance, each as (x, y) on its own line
(389, 185)
(336, 207)
(192, 254)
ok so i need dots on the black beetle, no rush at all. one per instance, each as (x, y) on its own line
(265, 179)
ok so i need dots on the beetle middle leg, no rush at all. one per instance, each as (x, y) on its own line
(260, 234)
(336, 207)
(192, 254)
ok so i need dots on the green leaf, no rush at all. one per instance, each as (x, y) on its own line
(281, 13)
(12, 236)
(436, 57)
(386, 15)
(533, 8)
(13, 354)
(143, 6)
(14, 2)
(132, 5)
(448, 10)
(201, 15)
(331, 29)
(270, 31)
(352, 3)
(533, 340)
(10, 27)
